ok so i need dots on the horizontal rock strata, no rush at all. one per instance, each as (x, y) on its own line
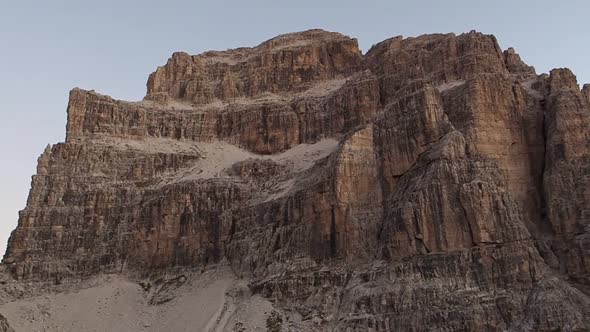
(433, 183)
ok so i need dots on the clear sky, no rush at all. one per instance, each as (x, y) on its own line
(49, 47)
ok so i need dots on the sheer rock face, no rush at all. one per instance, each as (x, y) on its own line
(566, 179)
(283, 64)
(434, 183)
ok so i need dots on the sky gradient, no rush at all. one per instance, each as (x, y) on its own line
(49, 47)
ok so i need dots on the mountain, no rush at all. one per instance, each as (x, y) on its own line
(433, 183)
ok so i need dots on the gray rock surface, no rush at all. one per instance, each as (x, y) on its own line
(434, 183)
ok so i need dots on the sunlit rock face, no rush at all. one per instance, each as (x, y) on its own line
(433, 183)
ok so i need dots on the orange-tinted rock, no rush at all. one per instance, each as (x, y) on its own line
(283, 64)
(435, 183)
(566, 178)
(433, 58)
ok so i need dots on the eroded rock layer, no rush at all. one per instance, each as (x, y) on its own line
(434, 183)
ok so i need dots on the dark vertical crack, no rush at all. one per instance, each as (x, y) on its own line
(541, 184)
(333, 249)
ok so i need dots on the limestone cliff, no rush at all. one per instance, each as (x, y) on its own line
(433, 183)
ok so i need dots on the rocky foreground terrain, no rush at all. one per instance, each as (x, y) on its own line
(434, 183)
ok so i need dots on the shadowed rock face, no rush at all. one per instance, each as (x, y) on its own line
(434, 183)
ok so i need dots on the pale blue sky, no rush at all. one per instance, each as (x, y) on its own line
(49, 47)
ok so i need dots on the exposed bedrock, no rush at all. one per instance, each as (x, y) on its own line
(433, 183)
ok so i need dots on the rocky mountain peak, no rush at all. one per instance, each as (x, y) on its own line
(285, 63)
(435, 183)
(562, 79)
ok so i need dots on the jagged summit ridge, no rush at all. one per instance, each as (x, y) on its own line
(283, 63)
(435, 182)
